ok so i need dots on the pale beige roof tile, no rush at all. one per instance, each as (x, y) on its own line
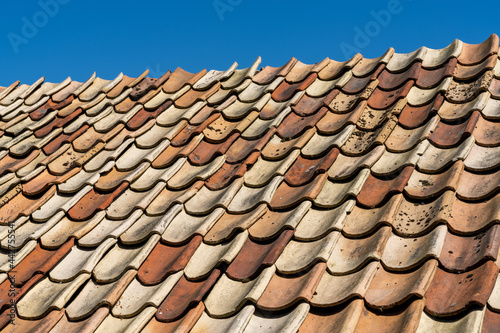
(390, 162)
(79, 260)
(317, 222)
(134, 155)
(454, 111)
(207, 257)
(183, 226)
(152, 137)
(58, 202)
(147, 225)
(240, 75)
(30, 231)
(168, 198)
(32, 88)
(471, 322)
(97, 86)
(14, 94)
(247, 197)
(402, 253)
(494, 300)
(260, 125)
(173, 115)
(319, 143)
(6, 260)
(288, 322)
(67, 228)
(47, 295)
(335, 289)
(205, 200)
(236, 323)
(83, 178)
(264, 170)
(151, 176)
(402, 139)
(333, 193)
(107, 229)
(103, 156)
(94, 295)
(106, 101)
(122, 257)
(222, 94)
(436, 159)
(400, 61)
(349, 254)
(320, 87)
(415, 218)
(130, 200)
(366, 66)
(137, 296)
(492, 109)
(436, 57)
(482, 158)
(254, 91)
(418, 96)
(132, 325)
(188, 173)
(299, 255)
(228, 296)
(271, 223)
(344, 166)
(239, 109)
(47, 89)
(31, 142)
(213, 76)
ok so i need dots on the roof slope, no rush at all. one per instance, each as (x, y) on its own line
(360, 196)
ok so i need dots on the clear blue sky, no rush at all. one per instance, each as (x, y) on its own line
(78, 37)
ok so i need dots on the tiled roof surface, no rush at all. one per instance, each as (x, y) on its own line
(357, 196)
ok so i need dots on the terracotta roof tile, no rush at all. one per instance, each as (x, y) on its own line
(268, 73)
(355, 85)
(39, 261)
(474, 186)
(487, 133)
(184, 295)
(422, 185)
(263, 230)
(471, 217)
(86, 325)
(362, 221)
(388, 289)
(254, 256)
(451, 293)
(406, 319)
(491, 321)
(428, 78)
(335, 68)
(284, 291)
(475, 53)
(376, 190)
(159, 265)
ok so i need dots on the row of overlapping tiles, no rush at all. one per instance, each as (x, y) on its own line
(247, 195)
(354, 317)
